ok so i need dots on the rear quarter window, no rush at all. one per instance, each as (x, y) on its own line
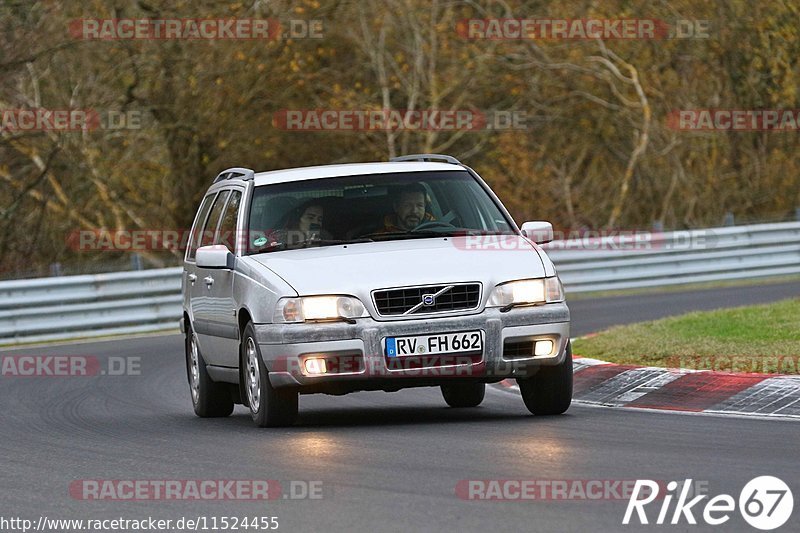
(199, 222)
(208, 234)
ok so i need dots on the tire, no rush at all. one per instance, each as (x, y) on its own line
(549, 391)
(269, 407)
(209, 399)
(464, 394)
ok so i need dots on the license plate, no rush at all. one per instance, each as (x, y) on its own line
(463, 342)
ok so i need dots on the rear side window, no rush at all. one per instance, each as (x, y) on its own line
(227, 233)
(209, 231)
(199, 222)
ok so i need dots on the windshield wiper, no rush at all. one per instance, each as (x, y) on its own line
(410, 234)
(336, 241)
(277, 245)
(380, 236)
(443, 232)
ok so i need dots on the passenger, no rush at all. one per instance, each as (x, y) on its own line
(410, 210)
(303, 228)
(305, 225)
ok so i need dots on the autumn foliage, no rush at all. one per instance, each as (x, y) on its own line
(593, 146)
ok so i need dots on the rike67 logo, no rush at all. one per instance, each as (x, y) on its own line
(765, 502)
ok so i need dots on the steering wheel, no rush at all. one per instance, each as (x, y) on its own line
(433, 224)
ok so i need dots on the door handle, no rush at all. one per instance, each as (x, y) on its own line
(209, 281)
(192, 278)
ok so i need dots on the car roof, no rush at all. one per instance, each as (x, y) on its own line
(350, 169)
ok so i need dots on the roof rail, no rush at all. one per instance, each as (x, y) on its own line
(426, 157)
(235, 173)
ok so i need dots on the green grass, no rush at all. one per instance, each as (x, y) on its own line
(759, 338)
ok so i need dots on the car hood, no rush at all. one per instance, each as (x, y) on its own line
(358, 269)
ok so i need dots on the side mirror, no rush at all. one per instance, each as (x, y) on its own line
(215, 256)
(538, 231)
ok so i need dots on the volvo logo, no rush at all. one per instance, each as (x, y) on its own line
(428, 299)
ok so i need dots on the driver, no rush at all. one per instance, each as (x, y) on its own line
(409, 210)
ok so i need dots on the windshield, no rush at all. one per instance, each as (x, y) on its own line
(324, 212)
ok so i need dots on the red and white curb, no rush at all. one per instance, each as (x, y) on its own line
(695, 391)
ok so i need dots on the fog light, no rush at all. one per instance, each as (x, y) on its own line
(315, 365)
(543, 348)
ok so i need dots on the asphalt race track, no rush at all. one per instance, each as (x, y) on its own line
(595, 314)
(386, 462)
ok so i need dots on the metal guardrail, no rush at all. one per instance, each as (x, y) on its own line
(679, 257)
(74, 307)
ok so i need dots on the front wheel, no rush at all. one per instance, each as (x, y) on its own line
(464, 394)
(209, 399)
(269, 407)
(549, 391)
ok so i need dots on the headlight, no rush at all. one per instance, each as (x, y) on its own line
(527, 291)
(311, 308)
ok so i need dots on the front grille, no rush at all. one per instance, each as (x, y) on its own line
(518, 349)
(393, 302)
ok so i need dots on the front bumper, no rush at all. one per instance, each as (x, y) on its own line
(284, 347)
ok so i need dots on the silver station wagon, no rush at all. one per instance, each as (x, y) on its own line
(371, 276)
